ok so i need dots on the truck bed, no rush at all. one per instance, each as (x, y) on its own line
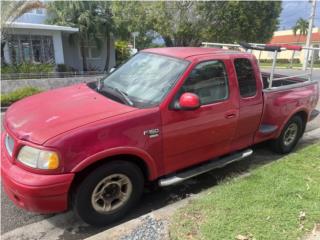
(282, 82)
(285, 98)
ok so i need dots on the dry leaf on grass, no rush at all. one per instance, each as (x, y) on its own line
(245, 237)
(242, 237)
(302, 216)
(316, 229)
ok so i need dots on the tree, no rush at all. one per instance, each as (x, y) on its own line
(129, 17)
(174, 21)
(93, 18)
(10, 11)
(177, 22)
(235, 21)
(188, 23)
(301, 26)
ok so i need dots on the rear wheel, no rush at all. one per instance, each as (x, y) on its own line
(289, 136)
(108, 193)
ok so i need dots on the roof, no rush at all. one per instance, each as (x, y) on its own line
(289, 37)
(41, 27)
(184, 52)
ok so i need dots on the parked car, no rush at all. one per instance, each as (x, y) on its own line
(164, 116)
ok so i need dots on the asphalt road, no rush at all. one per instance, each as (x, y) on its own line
(19, 224)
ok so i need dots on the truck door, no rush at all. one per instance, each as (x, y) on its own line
(250, 101)
(192, 136)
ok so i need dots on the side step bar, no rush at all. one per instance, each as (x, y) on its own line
(218, 163)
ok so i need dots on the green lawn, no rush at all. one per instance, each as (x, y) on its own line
(269, 203)
(287, 65)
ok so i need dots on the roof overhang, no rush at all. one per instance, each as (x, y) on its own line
(19, 25)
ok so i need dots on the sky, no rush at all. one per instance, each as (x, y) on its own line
(293, 10)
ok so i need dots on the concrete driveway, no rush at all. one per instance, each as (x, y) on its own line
(18, 224)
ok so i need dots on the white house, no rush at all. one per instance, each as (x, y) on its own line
(32, 40)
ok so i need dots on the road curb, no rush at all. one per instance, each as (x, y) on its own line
(128, 230)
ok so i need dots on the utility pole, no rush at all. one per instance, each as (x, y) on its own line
(135, 34)
(313, 13)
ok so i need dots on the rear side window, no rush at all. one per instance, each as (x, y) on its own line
(209, 81)
(246, 77)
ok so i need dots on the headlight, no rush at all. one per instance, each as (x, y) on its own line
(37, 158)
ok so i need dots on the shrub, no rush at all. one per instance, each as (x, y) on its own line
(27, 68)
(281, 60)
(122, 52)
(9, 98)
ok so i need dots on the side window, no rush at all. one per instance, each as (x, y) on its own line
(209, 81)
(246, 77)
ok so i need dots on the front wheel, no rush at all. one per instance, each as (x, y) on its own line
(108, 193)
(289, 136)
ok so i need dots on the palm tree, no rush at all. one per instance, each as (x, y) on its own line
(301, 27)
(10, 11)
(93, 18)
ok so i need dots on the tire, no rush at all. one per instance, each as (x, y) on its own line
(108, 193)
(285, 144)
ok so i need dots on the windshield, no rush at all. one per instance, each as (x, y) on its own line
(145, 79)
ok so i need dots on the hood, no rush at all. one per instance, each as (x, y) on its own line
(46, 115)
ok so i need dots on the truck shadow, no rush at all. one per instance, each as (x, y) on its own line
(154, 199)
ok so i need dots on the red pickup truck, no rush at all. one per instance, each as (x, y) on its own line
(164, 116)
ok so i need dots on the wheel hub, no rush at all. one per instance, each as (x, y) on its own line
(290, 134)
(111, 193)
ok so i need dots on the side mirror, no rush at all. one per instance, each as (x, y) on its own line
(188, 101)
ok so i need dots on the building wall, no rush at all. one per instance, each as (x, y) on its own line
(64, 51)
(287, 37)
(56, 38)
(72, 55)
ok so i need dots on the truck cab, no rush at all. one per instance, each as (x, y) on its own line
(164, 116)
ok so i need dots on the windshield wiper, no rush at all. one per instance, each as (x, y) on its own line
(100, 84)
(124, 96)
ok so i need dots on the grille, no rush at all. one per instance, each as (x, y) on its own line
(9, 144)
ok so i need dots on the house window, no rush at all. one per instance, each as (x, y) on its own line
(31, 49)
(91, 51)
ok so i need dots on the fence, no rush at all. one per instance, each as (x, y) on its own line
(46, 75)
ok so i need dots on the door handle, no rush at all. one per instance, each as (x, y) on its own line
(230, 115)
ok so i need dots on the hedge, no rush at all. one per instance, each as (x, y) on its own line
(9, 98)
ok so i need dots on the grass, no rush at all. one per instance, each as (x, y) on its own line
(287, 65)
(270, 203)
(9, 98)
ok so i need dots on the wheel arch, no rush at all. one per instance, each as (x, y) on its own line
(302, 113)
(304, 116)
(139, 157)
(81, 171)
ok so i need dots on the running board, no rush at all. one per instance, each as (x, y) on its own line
(218, 163)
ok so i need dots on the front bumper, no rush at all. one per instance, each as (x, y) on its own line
(34, 192)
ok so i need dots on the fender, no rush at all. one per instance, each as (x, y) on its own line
(151, 165)
(299, 109)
